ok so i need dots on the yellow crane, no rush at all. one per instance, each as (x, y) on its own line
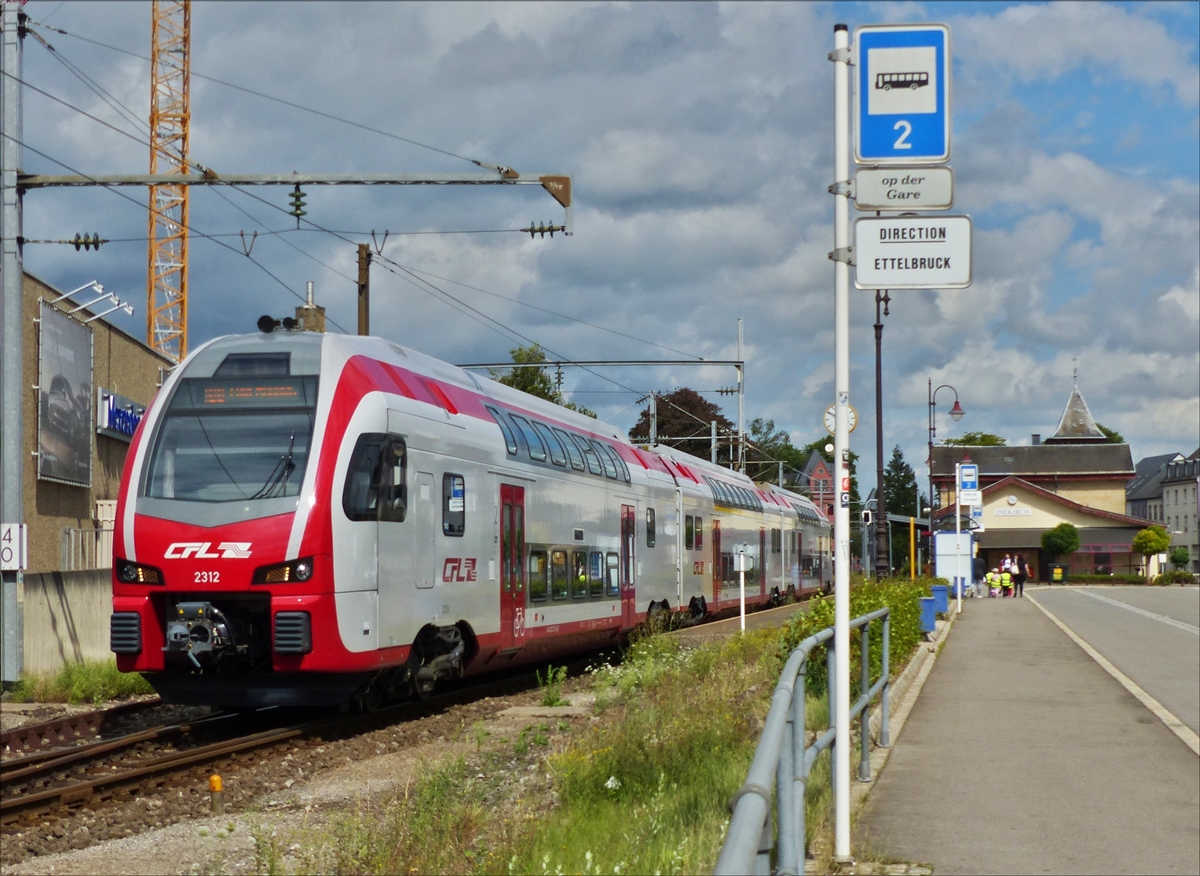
(170, 117)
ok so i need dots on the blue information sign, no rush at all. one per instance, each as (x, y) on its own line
(902, 99)
(969, 475)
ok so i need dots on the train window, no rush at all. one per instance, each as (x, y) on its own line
(596, 574)
(699, 532)
(556, 452)
(537, 576)
(650, 528)
(510, 440)
(537, 450)
(612, 583)
(558, 574)
(776, 541)
(622, 468)
(579, 578)
(572, 451)
(454, 504)
(255, 365)
(610, 468)
(375, 480)
(593, 461)
(689, 532)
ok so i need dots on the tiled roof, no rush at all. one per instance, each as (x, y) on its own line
(1077, 424)
(1039, 460)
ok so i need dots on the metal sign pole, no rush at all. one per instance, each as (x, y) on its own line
(741, 561)
(958, 572)
(841, 443)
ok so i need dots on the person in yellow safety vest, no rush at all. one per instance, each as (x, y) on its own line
(993, 582)
(1006, 583)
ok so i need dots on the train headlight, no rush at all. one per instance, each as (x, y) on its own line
(283, 573)
(135, 573)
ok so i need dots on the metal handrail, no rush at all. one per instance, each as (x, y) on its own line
(782, 754)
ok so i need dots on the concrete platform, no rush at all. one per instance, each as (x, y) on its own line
(1023, 755)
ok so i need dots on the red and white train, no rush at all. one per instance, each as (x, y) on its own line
(310, 518)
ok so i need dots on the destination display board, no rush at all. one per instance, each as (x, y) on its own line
(912, 252)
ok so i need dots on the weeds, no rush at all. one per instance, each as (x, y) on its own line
(551, 686)
(91, 682)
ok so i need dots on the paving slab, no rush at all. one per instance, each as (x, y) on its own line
(1022, 755)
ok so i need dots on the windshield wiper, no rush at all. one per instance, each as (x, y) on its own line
(278, 478)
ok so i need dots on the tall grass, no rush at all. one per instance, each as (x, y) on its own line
(90, 682)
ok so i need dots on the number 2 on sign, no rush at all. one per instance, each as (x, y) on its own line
(906, 129)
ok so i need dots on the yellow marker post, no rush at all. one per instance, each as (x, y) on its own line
(214, 788)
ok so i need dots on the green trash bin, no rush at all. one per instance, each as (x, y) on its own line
(1058, 574)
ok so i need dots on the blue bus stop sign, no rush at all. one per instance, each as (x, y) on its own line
(902, 99)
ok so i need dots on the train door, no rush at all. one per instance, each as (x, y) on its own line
(512, 567)
(762, 561)
(717, 572)
(628, 576)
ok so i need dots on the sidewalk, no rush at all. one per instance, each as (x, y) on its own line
(1022, 755)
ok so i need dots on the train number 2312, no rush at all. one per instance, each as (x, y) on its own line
(207, 578)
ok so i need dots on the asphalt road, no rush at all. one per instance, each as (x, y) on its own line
(1152, 634)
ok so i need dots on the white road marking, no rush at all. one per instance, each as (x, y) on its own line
(1195, 631)
(1184, 732)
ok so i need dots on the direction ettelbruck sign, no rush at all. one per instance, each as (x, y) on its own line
(912, 252)
(904, 188)
(902, 94)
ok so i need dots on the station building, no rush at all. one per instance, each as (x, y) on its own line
(88, 385)
(1075, 476)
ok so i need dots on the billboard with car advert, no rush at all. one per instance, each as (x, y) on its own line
(64, 398)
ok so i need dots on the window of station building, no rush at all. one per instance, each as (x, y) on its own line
(537, 576)
(454, 505)
(376, 486)
(651, 534)
(699, 532)
(558, 575)
(510, 440)
(537, 450)
(573, 453)
(612, 581)
(610, 467)
(579, 582)
(557, 456)
(596, 574)
(593, 461)
(689, 532)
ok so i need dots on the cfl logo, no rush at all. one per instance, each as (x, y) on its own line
(226, 550)
(458, 570)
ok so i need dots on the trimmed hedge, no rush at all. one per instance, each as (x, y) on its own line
(1104, 579)
(901, 595)
(1178, 576)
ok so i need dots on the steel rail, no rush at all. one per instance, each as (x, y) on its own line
(63, 730)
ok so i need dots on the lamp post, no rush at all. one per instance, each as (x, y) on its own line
(882, 557)
(956, 414)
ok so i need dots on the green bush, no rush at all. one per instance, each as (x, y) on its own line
(91, 682)
(901, 595)
(1105, 579)
(1176, 577)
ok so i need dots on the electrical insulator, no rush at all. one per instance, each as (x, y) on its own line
(87, 241)
(297, 204)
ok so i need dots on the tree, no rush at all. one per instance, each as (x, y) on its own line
(900, 490)
(1113, 436)
(535, 381)
(1179, 557)
(1151, 540)
(683, 421)
(768, 447)
(1061, 540)
(976, 439)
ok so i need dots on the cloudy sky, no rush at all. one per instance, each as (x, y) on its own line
(700, 140)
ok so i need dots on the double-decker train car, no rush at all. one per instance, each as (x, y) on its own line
(309, 519)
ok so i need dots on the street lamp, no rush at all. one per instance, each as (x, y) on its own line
(956, 414)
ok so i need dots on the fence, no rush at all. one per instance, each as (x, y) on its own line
(89, 548)
(782, 753)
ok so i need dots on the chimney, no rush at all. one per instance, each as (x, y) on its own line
(310, 317)
(1035, 440)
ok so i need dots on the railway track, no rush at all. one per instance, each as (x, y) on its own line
(67, 729)
(40, 785)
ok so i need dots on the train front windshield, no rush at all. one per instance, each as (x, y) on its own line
(233, 440)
